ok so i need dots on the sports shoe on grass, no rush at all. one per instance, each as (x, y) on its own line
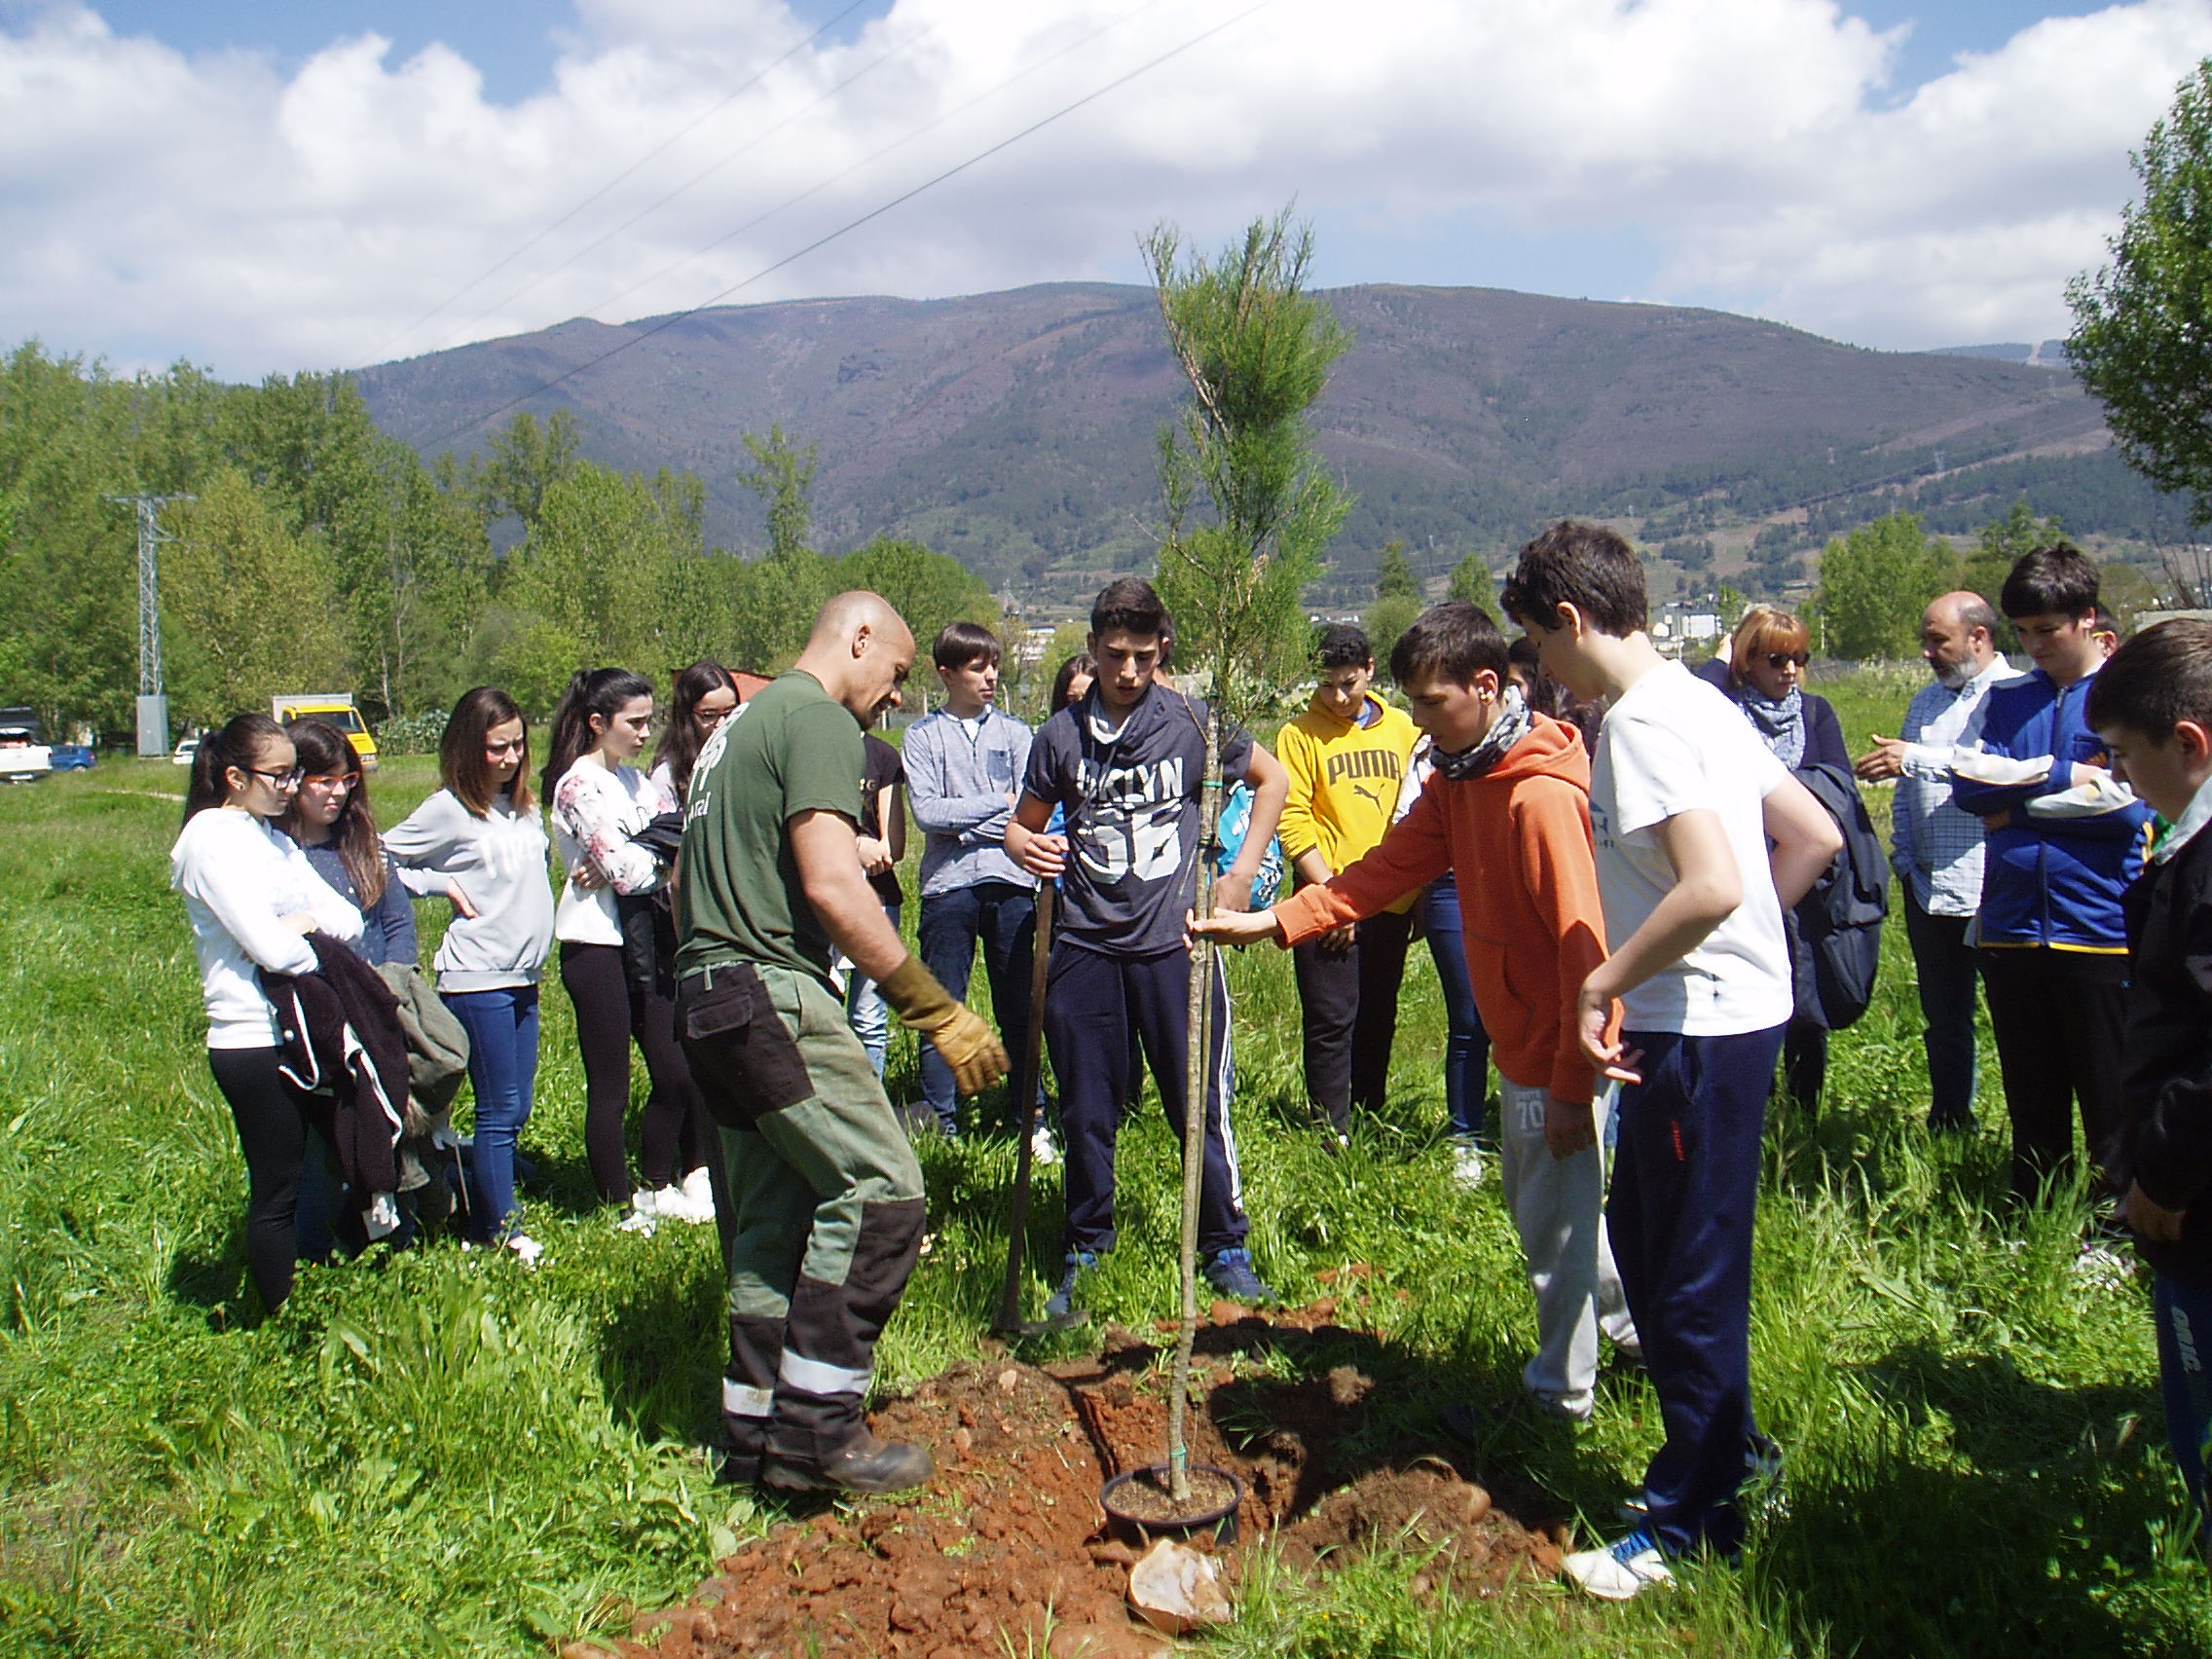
(1061, 1303)
(1229, 1271)
(1466, 1163)
(699, 1194)
(1620, 1571)
(644, 1213)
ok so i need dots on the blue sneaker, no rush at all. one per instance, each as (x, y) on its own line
(1620, 1571)
(1061, 1303)
(1229, 1271)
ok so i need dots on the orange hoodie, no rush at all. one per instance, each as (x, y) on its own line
(1517, 838)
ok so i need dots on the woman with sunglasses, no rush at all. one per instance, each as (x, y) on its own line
(1764, 676)
(600, 804)
(252, 899)
(704, 695)
(478, 841)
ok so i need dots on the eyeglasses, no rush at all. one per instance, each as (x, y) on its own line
(280, 780)
(1777, 659)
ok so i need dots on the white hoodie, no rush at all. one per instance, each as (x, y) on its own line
(239, 876)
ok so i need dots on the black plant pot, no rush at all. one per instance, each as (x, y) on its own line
(1217, 1522)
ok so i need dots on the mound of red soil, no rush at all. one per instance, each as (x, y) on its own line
(1009, 1545)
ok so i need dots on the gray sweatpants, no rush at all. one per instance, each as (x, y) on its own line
(1559, 1208)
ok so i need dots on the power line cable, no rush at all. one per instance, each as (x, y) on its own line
(870, 160)
(658, 150)
(675, 318)
(697, 178)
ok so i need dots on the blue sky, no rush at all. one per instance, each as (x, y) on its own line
(224, 179)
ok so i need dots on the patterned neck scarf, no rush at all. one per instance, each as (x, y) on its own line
(1782, 724)
(1513, 724)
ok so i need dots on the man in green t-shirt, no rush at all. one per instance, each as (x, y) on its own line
(821, 1195)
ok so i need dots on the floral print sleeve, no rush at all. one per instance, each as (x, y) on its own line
(603, 814)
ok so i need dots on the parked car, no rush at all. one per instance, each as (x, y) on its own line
(187, 750)
(24, 757)
(72, 756)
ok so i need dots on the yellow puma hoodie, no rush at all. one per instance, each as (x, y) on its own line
(1344, 782)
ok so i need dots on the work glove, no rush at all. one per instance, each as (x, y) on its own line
(963, 1039)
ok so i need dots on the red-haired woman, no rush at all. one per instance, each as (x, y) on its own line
(1765, 678)
(478, 841)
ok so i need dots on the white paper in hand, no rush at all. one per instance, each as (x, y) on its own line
(1999, 771)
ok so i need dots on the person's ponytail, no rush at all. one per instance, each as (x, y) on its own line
(599, 691)
(238, 744)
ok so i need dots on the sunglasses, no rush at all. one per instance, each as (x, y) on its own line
(1775, 659)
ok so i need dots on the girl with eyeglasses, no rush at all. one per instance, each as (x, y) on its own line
(479, 842)
(252, 899)
(600, 804)
(704, 695)
(330, 819)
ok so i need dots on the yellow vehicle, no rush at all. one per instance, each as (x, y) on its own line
(335, 707)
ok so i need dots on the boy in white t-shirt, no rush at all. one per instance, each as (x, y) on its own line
(1684, 803)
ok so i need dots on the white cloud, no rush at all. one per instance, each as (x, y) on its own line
(156, 204)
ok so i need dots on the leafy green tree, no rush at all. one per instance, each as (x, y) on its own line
(250, 609)
(782, 475)
(1999, 546)
(1874, 584)
(528, 459)
(1256, 350)
(2142, 324)
(928, 589)
(1471, 582)
(1397, 601)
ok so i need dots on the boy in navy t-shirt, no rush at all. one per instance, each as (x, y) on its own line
(1127, 766)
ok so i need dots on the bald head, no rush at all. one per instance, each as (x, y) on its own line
(860, 650)
(1957, 636)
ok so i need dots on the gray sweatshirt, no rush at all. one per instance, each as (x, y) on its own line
(499, 862)
(958, 777)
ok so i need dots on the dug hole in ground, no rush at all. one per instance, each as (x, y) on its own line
(1009, 1551)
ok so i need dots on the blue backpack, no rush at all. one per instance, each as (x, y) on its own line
(1235, 819)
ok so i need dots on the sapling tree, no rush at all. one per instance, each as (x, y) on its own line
(1249, 511)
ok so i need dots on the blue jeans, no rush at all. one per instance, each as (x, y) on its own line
(865, 1011)
(1003, 915)
(2184, 1314)
(1467, 1050)
(502, 1069)
(1685, 1187)
(1947, 967)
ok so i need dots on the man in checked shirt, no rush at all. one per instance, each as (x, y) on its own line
(1935, 847)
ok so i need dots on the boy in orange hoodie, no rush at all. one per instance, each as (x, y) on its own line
(1508, 811)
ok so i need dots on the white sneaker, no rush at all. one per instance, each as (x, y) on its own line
(670, 1204)
(1466, 1164)
(1620, 1571)
(1042, 1149)
(699, 1192)
(644, 1211)
(526, 1248)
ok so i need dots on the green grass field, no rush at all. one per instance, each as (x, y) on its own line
(439, 1452)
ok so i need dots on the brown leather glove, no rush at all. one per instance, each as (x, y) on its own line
(964, 1040)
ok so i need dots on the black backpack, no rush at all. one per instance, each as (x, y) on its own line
(1839, 922)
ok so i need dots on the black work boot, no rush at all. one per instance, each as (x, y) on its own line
(745, 1442)
(863, 1463)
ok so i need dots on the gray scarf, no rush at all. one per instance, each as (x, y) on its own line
(1782, 724)
(1513, 724)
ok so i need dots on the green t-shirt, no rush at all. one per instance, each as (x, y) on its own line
(790, 750)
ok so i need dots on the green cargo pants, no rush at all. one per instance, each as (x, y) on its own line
(821, 1199)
